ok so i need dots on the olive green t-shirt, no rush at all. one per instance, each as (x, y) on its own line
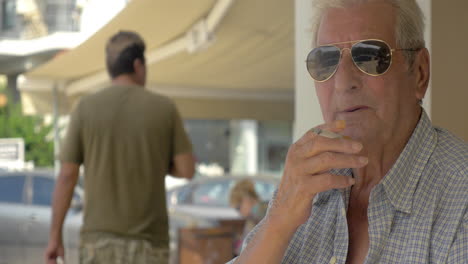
(126, 137)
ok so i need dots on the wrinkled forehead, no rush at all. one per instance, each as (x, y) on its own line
(372, 20)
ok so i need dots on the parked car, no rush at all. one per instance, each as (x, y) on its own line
(204, 202)
(207, 198)
(25, 216)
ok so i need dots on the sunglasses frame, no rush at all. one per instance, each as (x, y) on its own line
(354, 42)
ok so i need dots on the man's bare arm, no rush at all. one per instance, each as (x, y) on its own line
(268, 245)
(306, 173)
(62, 196)
(183, 166)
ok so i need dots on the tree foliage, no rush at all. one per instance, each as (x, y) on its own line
(39, 146)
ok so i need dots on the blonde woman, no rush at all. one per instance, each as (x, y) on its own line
(246, 201)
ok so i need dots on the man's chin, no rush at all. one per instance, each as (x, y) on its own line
(358, 131)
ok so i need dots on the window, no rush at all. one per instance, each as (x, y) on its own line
(212, 194)
(42, 192)
(276, 155)
(58, 15)
(11, 189)
(51, 15)
(8, 14)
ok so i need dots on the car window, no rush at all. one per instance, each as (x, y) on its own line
(11, 189)
(42, 192)
(212, 193)
(183, 195)
(180, 195)
(265, 190)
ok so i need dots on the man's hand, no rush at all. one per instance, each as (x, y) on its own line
(62, 196)
(306, 174)
(54, 250)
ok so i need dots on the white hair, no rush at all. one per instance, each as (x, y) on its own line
(409, 28)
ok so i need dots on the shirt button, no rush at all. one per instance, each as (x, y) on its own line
(333, 260)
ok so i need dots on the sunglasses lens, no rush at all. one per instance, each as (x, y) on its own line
(372, 56)
(322, 62)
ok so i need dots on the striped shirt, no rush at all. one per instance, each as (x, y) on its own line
(417, 213)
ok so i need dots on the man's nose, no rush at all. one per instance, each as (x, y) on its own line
(347, 75)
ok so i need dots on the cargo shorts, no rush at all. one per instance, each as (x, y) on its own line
(113, 249)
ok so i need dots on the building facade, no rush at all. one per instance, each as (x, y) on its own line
(29, 19)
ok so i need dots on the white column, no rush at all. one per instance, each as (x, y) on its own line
(307, 109)
(244, 147)
(250, 132)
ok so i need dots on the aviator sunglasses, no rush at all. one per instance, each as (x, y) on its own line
(371, 56)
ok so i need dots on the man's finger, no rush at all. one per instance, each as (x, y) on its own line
(331, 160)
(323, 144)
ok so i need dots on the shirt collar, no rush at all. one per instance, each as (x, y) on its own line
(401, 180)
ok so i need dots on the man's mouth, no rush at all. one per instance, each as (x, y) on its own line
(355, 109)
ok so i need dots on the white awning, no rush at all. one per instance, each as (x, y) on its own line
(216, 59)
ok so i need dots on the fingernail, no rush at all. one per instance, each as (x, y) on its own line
(356, 146)
(363, 160)
(351, 180)
(340, 124)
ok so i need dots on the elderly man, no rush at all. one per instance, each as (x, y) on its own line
(393, 189)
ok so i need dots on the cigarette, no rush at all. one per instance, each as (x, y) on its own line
(329, 134)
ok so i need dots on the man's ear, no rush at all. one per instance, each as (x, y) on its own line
(138, 66)
(422, 69)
